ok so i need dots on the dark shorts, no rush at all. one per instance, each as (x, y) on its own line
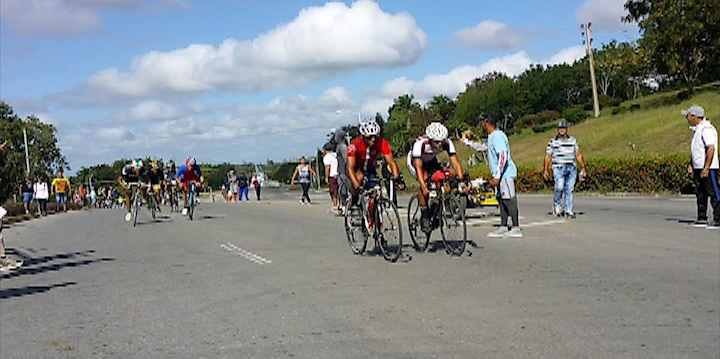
(27, 197)
(333, 186)
(61, 197)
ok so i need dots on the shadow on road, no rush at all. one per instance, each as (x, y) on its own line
(29, 260)
(681, 220)
(30, 290)
(30, 267)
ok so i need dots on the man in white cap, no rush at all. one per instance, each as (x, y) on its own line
(704, 165)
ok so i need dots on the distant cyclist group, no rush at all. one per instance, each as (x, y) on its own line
(153, 185)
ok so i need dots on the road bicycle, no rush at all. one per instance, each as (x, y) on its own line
(137, 200)
(374, 215)
(192, 200)
(445, 211)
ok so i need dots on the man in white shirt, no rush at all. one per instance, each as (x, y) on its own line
(331, 175)
(704, 165)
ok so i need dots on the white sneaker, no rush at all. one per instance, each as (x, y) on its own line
(515, 232)
(557, 211)
(184, 212)
(498, 233)
(128, 216)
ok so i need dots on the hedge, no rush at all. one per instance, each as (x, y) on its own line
(649, 175)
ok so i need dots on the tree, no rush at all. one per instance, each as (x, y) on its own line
(681, 37)
(442, 109)
(45, 156)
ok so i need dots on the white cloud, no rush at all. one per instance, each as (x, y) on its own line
(604, 14)
(69, 17)
(153, 110)
(318, 43)
(120, 133)
(489, 34)
(567, 55)
(453, 82)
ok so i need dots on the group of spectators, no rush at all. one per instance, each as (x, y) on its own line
(237, 186)
(39, 191)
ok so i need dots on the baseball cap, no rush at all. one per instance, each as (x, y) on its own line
(562, 124)
(694, 110)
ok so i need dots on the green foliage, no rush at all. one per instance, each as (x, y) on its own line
(285, 171)
(648, 175)
(681, 38)
(536, 120)
(575, 114)
(45, 156)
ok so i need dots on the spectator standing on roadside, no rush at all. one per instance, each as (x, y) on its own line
(704, 165)
(242, 183)
(26, 192)
(503, 173)
(232, 185)
(257, 183)
(343, 180)
(61, 187)
(303, 172)
(562, 151)
(82, 192)
(41, 192)
(331, 175)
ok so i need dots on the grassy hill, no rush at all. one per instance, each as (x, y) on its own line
(656, 128)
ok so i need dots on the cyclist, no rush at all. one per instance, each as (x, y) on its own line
(155, 177)
(362, 153)
(189, 173)
(424, 165)
(130, 175)
(169, 178)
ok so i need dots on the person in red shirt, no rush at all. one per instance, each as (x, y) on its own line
(362, 153)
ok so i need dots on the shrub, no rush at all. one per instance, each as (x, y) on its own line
(575, 114)
(635, 106)
(663, 174)
(537, 119)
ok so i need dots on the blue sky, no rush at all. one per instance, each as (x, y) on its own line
(243, 81)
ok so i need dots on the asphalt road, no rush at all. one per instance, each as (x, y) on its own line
(629, 278)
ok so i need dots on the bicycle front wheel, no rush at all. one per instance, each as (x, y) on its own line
(135, 207)
(151, 204)
(354, 228)
(388, 229)
(453, 226)
(191, 201)
(419, 238)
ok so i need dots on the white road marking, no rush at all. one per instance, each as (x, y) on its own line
(543, 223)
(245, 254)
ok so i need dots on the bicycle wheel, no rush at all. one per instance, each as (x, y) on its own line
(453, 226)
(388, 229)
(191, 201)
(354, 227)
(151, 205)
(135, 207)
(419, 238)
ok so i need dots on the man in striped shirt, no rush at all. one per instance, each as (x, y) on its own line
(562, 151)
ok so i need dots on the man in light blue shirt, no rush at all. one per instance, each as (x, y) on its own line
(503, 173)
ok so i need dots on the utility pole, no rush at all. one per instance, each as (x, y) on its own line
(588, 41)
(27, 153)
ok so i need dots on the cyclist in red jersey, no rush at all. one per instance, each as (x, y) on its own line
(362, 153)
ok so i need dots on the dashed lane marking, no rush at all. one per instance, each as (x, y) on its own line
(245, 254)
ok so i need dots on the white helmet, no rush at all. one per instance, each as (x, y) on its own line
(369, 128)
(436, 131)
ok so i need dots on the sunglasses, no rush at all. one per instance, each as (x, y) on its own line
(437, 142)
(370, 137)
